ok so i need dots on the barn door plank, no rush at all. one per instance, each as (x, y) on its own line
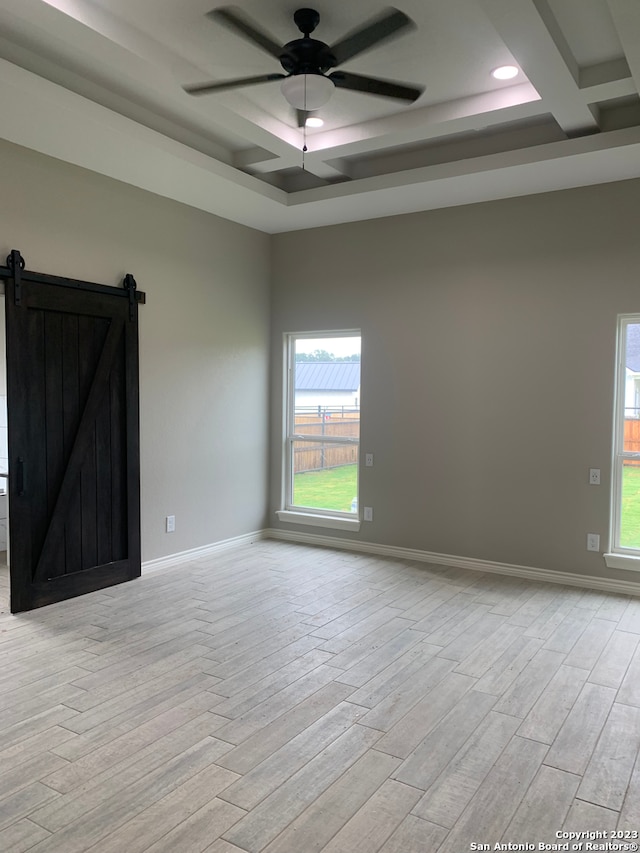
(84, 441)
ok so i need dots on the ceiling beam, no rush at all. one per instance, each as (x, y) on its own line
(465, 114)
(606, 80)
(327, 148)
(258, 162)
(626, 18)
(531, 33)
(577, 162)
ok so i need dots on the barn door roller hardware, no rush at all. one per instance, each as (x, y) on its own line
(15, 262)
(15, 272)
(130, 285)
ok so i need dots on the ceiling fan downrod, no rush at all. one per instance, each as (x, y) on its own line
(306, 20)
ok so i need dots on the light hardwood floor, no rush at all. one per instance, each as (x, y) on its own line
(291, 699)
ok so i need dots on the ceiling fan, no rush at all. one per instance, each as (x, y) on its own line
(306, 61)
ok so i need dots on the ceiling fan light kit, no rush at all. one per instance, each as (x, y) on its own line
(307, 91)
(306, 85)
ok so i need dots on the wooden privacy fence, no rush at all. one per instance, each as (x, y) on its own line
(632, 439)
(318, 455)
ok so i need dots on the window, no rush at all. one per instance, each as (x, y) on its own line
(625, 515)
(322, 439)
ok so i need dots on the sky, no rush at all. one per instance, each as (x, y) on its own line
(338, 346)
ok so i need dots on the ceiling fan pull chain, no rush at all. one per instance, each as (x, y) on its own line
(304, 126)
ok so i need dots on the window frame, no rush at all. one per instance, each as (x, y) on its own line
(620, 557)
(290, 511)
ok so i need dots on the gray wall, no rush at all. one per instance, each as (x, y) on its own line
(203, 335)
(488, 349)
(488, 363)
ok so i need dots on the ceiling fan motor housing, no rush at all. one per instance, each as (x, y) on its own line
(307, 56)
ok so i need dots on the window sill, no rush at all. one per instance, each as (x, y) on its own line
(315, 520)
(623, 561)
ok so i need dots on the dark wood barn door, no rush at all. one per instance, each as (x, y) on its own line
(72, 387)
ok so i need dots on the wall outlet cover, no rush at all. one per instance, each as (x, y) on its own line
(593, 541)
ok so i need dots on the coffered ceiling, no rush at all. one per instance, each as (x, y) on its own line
(99, 83)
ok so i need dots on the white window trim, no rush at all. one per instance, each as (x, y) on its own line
(291, 513)
(315, 519)
(618, 557)
(620, 560)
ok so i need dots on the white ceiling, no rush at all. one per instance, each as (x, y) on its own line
(99, 83)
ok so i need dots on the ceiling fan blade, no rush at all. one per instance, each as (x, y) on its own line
(241, 24)
(221, 85)
(375, 86)
(379, 29)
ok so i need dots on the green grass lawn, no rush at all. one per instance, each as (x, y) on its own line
(333, 488)
(630, 521)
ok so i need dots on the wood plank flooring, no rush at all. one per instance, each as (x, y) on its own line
(279, 698)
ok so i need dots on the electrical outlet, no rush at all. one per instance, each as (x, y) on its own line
(593, 542)
(171, 523)
(368, 513)
(594, 476)
(368, 460)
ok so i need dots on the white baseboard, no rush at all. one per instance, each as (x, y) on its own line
(527, 572)
(203, 551)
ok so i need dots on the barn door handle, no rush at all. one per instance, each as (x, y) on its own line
(20, 476)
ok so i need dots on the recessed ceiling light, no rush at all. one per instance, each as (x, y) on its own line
(504, 72)
(314, 121)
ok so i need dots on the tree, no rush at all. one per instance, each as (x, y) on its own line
(323, 355)
(316, 355)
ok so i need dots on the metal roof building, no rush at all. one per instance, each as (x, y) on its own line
(327, 375)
